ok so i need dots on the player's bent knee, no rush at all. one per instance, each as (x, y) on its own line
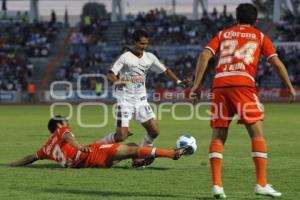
(120, 138)
(154, 132)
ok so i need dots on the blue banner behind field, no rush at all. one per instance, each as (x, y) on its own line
(8, 96)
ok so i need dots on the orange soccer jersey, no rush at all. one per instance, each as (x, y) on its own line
(66, 155)
(239, 49)
(60, 151)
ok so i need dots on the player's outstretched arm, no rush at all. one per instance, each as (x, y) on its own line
(202, 64)
(70, 139)
(171, 75)
(24, 161)
(283, 74)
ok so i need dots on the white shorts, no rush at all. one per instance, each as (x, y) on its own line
(127, 108)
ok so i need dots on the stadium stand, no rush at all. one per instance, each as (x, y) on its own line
(288, 28)
(96, 43)
(22, 45)
(34, 39)
(15, 71)
(176, 29)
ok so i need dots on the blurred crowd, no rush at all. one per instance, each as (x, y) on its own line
(33, 38)
(288, 28)
(15, 71)
(85, 55)
(20, 40)
(90, 31)
(176, 29)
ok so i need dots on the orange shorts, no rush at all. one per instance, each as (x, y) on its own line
(102, 155)
(243, 101)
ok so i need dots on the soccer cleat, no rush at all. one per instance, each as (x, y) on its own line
(186, 150)
(218, 192)
(268, 190)
(142, 162)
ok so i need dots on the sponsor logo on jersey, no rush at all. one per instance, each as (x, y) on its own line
(234, 34)
(137, 79)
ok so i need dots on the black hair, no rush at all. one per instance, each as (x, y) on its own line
(138, 34)
(246, 13)
(125, 49)
(52, 124)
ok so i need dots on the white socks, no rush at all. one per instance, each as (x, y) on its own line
(108, 139)
(148, 140)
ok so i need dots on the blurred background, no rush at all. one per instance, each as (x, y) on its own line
(60, 50)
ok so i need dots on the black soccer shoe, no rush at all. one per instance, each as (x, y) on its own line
(186, 150)
(142, 162)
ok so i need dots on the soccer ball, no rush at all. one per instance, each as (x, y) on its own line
(187, 140)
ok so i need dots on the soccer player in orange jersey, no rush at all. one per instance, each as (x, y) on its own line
(233, 92)
(63, 148)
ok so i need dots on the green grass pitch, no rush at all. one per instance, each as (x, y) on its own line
(23, 131)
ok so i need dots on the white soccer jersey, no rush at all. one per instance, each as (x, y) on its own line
(134, 69)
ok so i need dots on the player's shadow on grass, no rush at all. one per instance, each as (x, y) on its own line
(37, 166)
(236, 198)
(146, 168)
(100, 193)
(55, 166)
(44, 166)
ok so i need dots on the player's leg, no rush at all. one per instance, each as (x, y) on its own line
(113, 137)
(252, 116)
(259, 155)
(152, 129)
(124, 115)
(259, 151)
(222, 112)
(145, 115)
(216, 147)
(119, 136)
(134, 151)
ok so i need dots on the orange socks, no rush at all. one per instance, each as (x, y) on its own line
(164, 153)
(156, 152)
(259, 155)
(215, 156)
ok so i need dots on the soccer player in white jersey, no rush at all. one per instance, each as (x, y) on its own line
(128, 74)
